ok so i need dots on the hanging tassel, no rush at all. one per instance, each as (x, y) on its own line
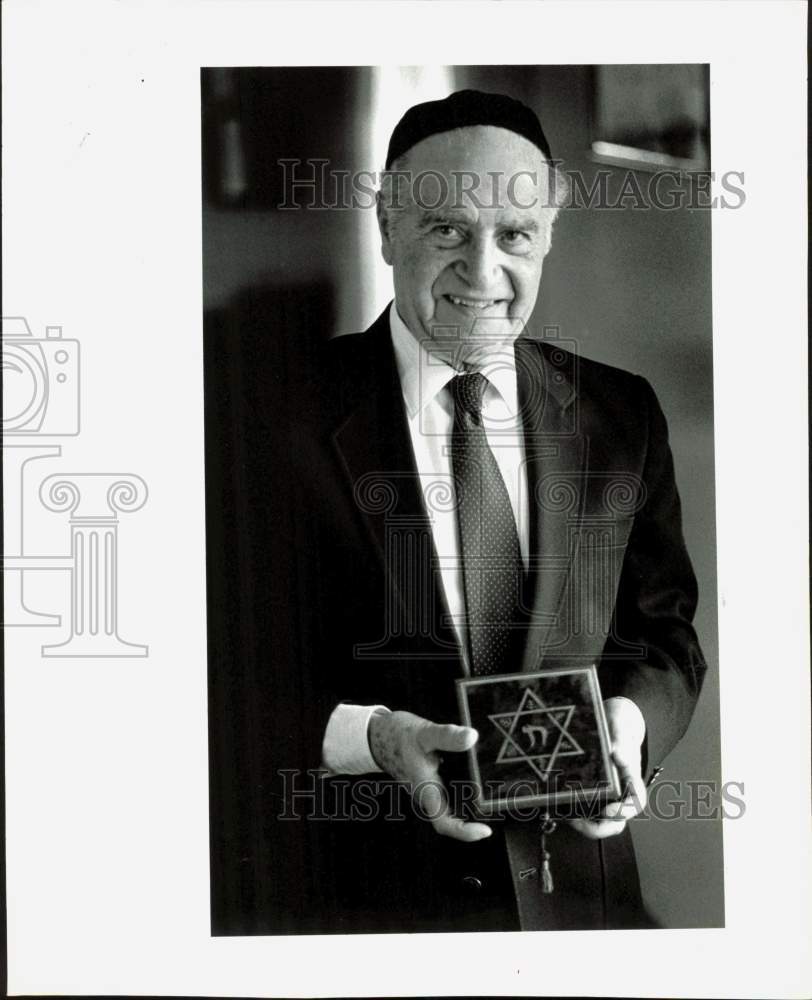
(547, 827)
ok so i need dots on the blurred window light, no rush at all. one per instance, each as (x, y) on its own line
(393, 90)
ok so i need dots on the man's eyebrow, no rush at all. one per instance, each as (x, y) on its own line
(528, 225)
(430, 217)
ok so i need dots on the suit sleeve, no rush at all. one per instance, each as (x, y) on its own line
(655, 605)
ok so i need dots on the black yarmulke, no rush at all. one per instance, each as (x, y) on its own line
(459, 110)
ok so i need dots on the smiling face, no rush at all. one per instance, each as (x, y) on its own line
(468, 243)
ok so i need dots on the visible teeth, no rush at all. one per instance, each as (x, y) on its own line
(473, 303)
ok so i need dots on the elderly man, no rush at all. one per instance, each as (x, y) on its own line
(441, 438)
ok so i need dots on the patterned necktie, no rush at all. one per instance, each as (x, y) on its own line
(489, 543)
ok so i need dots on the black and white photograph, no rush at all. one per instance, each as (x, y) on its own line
(405, 507)
(484, 481)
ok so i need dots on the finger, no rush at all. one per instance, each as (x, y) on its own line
(430, 799)
(448, 737)
(452, 826)
(633, 788)
(432, 803)
(626, 808)
(598, 829)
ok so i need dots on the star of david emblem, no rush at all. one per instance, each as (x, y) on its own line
(544, 733)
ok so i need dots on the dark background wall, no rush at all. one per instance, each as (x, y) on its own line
(630, 287)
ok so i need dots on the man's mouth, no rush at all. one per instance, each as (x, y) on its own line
(459, 300)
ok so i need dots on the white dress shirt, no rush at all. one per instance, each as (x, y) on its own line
(429, 408)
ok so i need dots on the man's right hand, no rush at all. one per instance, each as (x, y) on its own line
(408, 748)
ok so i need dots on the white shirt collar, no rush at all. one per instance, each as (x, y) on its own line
(423, 375)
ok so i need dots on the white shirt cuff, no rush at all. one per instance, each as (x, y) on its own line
(345, 749)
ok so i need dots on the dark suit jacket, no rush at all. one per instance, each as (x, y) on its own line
(322, 589)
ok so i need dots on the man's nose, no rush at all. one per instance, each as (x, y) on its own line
(480, 265)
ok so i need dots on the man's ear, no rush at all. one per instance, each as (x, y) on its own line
(385, 226)
(548, 219)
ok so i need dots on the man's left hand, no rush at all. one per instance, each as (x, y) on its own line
(627, 730)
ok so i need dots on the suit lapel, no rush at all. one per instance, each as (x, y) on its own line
(374, 448)
(556, 457)
(371, 436)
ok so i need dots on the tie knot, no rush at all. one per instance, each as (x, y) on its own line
(469, 391)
